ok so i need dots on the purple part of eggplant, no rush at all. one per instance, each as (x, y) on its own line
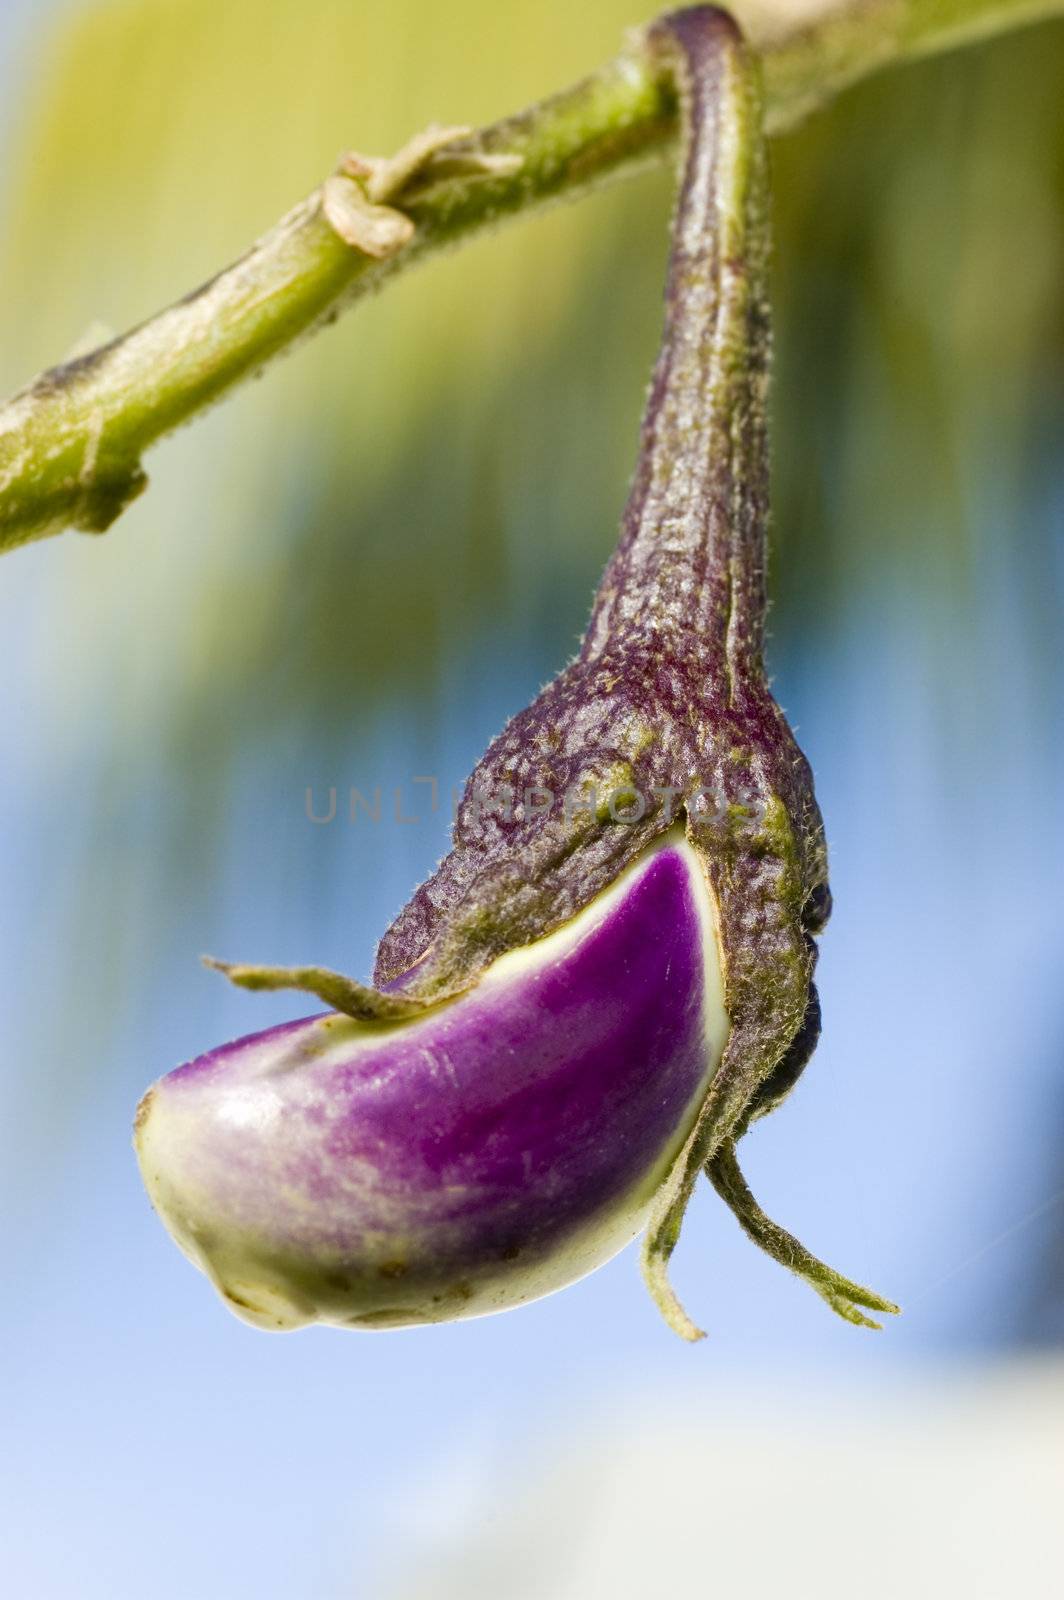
(431, 1169)
(224, 1055)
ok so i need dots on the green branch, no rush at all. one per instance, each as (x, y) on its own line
(71, 444)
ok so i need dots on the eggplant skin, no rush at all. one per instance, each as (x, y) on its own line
(488, 1152)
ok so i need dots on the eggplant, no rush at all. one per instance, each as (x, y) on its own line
(610, 976)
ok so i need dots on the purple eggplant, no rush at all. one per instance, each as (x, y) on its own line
(611, 974)
(493, 1149)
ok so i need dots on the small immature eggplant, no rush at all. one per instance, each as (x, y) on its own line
(487, 1151)
(610, 976)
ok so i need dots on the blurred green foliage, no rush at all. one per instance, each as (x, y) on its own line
(461, 449)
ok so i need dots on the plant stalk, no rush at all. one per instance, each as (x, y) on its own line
(71, 443)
